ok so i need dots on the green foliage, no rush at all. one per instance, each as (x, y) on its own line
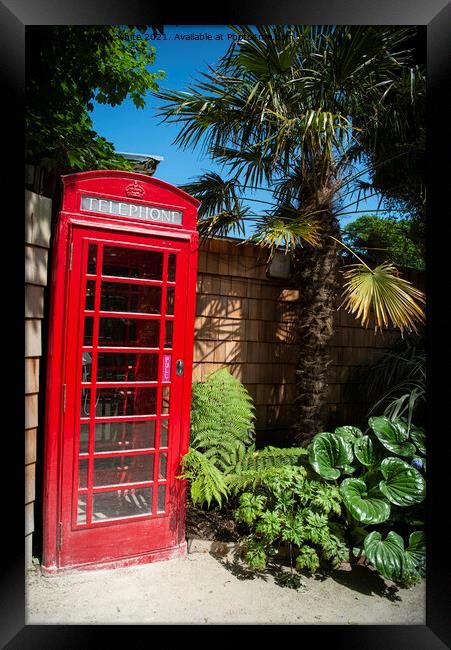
(387, 488)
(70, 67)
(383, 290)
(254, 466)
(395, 145)
(330, 455)
(222, 419)
(288, 507)
(396, 384)
(222, 459)
(393, 561)
(363, 507)
(266, 121)
(206, 481)
(380, 239)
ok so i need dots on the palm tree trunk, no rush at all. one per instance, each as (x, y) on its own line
(316, 270)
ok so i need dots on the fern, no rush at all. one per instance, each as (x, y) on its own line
(222, 458)
(255, 467)
(206, 481)
(222, 416)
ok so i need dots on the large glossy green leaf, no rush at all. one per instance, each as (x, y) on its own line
(403, 484)
(329, 454)
(387, 555)
(366, 509)
(418, 436)
(393, 435)
(367, 452)
(416, 552)
(351, 434)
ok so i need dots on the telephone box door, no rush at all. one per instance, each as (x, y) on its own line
(123, 389)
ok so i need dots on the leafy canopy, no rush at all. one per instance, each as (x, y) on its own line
(381, 239)
(280, 112)
(396, 145)
(279, 109)
(67, 69)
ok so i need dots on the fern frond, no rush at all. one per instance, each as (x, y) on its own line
(222, 457)
(222, 418)
(207, 483)
(255, 467)
(269, 457)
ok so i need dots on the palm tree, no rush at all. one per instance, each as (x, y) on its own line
(278, 111)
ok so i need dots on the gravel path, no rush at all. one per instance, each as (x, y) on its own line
(208, 589)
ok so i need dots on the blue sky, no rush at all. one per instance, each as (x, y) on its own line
(140, 131)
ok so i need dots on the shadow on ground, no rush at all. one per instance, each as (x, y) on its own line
(282, 577)
(357, 578)
(365, 581)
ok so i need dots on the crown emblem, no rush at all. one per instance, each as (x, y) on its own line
(135, 190)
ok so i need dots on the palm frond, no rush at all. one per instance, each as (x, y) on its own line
(396, 383)
(221, 211)
(289, 231)
(215, 193)
(381, 290)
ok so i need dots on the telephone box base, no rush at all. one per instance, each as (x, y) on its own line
(153, 556)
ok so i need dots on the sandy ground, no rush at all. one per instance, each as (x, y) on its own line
(202, 588)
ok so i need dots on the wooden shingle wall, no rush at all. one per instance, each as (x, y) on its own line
(247, 322)
(244, 322)
(37, 241)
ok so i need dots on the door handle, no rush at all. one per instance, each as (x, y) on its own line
(179, 366)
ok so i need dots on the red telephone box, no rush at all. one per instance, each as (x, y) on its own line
(119, 371)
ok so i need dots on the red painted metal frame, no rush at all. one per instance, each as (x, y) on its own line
(72, 220)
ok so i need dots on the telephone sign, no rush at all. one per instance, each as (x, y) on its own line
(117, 408)
(127, 209)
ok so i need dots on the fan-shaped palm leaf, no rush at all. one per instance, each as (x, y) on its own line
(383, 291)
(290, 232)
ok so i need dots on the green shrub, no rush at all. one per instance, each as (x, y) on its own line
(287, 507)
(222, 458)
(381, 482)
(222, 428)
(222, 419)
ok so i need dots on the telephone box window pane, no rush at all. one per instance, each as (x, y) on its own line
(83, 474)
(170, 301)
(85, 405)
(161, 498)
(168, 338)
(86, 363)
(123, 503)
(137, 298)
(128, 332)
(163, 466)
(171, 267)
(132, 263)
(114, 436)
(123, 366)
(112, 402)
(164, 433)
(165, 400)
(84, 438)
(88, 331)
(123, 469)
(92, 258)
(81, 509)
(90, 294)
